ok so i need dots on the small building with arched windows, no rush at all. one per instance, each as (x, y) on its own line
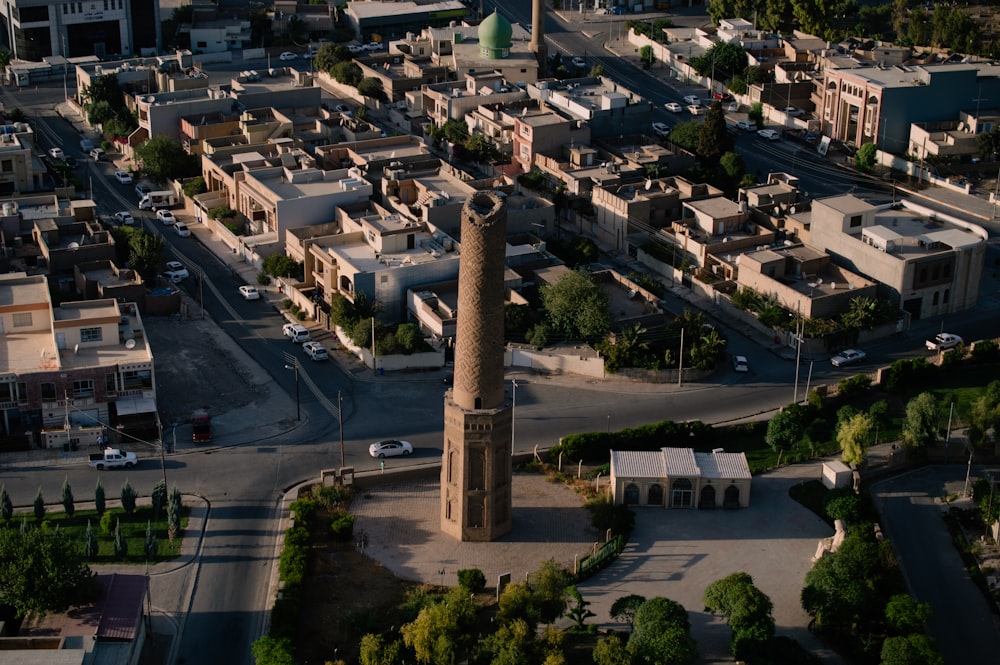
(680, 478)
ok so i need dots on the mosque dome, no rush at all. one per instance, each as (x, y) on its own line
(495, 36)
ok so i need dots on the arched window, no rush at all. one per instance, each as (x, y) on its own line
(934, 298)
(654, 497)
(707, 499)
(732, 497)
(631, 495)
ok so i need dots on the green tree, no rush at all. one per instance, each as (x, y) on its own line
(624, 608)
(733, 165)
(149, 546)
(120, 541)
(472, 579)
(517, 602)
(578, 612)
(661, 634)
(269, 650)
(371, 88)
(904, 614)
(747, 609)
(39, 505)
(128, 496)
(409, 337)
(105, 88)
(99, 113)
(174, 513)
(194, 187)
(6, 506)
(441, 632)
(920, 427)
(548, 586)
(611, 650)
(329, 55)
(852, 437)
(118, 127)
(99, 499)
(282, 265)
(576, 307)
(42, 571)
(512, 643)
(89, 543)
(348, 73)
(714, 139)
(159, 498)
(864, 160)
(67, 498)
(910, 650)
(146, 253)
(376, 651)
(722, 62)
(786, 428)
(163, 158)
(687, 135)
(841, 587)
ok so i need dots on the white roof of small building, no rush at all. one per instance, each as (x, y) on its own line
(678, 462)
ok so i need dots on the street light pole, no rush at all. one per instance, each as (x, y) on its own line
(340, 419)
(298, 401)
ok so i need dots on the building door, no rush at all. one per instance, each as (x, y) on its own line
(912, 307)
(732, 497)
(655, 496)
(631, 495)
(681, 493)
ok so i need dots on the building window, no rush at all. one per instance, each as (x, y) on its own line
(6, 392)
(202, 44)
(111, 383)
(65, 10)
(137, 379)
(91, 335)
(79, 8)
(83, 388)
(7, 165)
(855, 221)
(947, 293)
(934, 299)
(22, 319)
(48, 390)
(105, 5)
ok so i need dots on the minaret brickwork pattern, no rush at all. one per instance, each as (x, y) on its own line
(476, 469)
(537, 43)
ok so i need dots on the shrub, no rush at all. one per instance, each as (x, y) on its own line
(292, 565)
(263, 279)
(304, 509)
(195, 186)
(843, 504)
(108, 520)
(472, 579)
(986, 351)
(853, 386)
(606, 515)
(330, 496)
(300, 315)
(221, 212)
(342, 527)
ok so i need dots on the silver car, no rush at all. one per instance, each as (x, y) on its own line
(847, 357)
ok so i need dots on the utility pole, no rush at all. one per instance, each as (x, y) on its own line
(340, 419)
(680, 359)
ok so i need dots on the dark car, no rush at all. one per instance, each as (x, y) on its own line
(70, 162)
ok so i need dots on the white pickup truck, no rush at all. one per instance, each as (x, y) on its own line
(943, 342)
(113, 458)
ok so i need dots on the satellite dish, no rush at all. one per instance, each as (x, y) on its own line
(649, 183)
(524, 111)
(130, 344)
(74, 246)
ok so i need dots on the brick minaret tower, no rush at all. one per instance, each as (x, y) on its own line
(537, 45)
(476, 468)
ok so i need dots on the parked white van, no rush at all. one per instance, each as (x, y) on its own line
(97, 154)
(296, 332)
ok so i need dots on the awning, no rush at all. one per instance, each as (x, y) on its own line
(130, 406)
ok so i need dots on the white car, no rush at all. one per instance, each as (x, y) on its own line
(741, 364)
(178, 268)
(747, 125)
(793, 111)
(123, 177)
(125, 218)
(316, 351)
(287, 55)
(695, 109)
(847, 357)
(182, 229)
(768, 134)
(249, 292)
(166, 217)
(579, 62)
(660, 129)
(343, 109)
(692, 99)
(673, 107)
(296, 332)
(56, 153)
(373, 46)
(355, 48)
(309, 55)
(390, 448)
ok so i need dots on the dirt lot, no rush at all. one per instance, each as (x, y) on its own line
(186, 351)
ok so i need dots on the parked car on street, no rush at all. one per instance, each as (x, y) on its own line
(296, 332)
(660, 129)
(343, 109)
(373, 46)
(747, 125)
(113, 458)
(673, 107)
(793, 111)
(177, 267)
(943, 341)
(287, 55)
(249, 292)
(142, 189)
(182, 229)
(125, 218)
(56, 153)
(692, 99)
(123, 177)
(390, 448)
(847, 357)
(768, 134)
(166, 217)
(579, 62)
(695, 109)
(741, 364)
(70, 162)
(316, 351)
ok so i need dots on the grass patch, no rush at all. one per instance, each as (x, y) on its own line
(134, 526)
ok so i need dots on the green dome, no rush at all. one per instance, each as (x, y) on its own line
(495, 32)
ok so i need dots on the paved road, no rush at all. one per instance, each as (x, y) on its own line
(963, 626)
